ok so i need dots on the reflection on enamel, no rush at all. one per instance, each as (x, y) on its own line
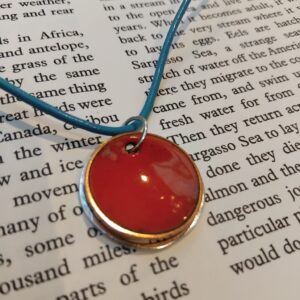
(145, 178)
(177, 205)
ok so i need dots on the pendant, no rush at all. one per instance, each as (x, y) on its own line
(145, 198)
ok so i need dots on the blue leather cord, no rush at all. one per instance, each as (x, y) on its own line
(100, 129)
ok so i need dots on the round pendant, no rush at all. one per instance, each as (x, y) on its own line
(148, 198)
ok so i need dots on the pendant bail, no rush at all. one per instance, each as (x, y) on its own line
(143, 126)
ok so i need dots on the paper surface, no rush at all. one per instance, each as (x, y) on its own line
(230, 98)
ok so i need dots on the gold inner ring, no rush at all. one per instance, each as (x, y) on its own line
(129, 236)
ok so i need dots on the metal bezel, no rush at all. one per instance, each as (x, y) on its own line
(124, 235)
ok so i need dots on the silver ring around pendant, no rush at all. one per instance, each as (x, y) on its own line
(143, 127)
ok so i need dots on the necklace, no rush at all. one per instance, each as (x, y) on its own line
(139, 188)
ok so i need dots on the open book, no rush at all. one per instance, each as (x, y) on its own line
(229, 98)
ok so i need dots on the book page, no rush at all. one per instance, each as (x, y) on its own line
(229, 98)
